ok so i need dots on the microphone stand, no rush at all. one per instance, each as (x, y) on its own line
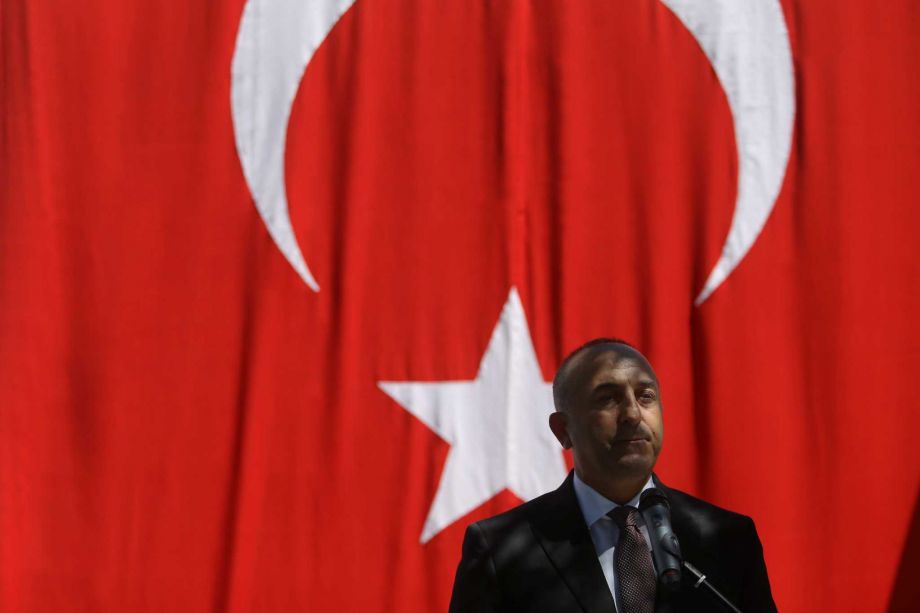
(701, 580)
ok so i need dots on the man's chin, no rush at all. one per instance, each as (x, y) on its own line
(633, 465)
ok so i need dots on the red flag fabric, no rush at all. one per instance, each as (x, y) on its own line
(186, 425)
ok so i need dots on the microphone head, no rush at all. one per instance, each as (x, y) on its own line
(653, 496)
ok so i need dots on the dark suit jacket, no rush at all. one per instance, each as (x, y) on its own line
(539, 557)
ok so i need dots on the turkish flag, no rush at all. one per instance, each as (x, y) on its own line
(212, 402)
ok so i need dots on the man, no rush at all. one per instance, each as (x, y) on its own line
(584, 547)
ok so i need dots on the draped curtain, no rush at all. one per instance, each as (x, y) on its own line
(189, 422)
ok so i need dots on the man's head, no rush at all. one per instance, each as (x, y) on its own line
(608, 411)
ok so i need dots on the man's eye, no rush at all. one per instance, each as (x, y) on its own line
(647, 396)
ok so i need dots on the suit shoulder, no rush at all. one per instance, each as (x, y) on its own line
(516, 517)
(698, 505)
(709, 517)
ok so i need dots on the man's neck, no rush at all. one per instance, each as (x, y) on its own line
(619, 489)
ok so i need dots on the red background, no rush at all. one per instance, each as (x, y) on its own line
(185, 426)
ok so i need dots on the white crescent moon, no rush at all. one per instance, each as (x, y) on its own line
(746, 42)
(276, 41)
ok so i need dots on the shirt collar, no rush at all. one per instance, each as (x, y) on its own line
(595, 506)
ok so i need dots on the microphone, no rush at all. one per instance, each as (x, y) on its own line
(656, 511)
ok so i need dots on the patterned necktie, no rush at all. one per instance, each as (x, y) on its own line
(633, 563)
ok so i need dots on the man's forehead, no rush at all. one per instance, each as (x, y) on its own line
(615, 361)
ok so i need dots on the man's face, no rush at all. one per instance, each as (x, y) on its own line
(613, 418)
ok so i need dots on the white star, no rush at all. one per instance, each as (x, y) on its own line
(497, 425)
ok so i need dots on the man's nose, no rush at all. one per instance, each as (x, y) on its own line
(629, 410)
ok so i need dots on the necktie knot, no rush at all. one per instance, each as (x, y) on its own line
(624, 516)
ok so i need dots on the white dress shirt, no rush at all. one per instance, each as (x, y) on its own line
(604, 531)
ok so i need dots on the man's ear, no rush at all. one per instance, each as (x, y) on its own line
(558, 423)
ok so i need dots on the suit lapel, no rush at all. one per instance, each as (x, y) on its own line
(560, 528)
